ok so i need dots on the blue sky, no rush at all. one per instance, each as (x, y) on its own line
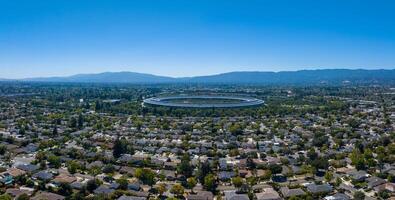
(186, 38)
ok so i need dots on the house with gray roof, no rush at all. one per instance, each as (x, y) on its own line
(375, 181)
(268, 194)
(360, 175)
(323, 188)
(286, 192)
(103, 190)
(43, 175)
(232, 195)
(201, 195)
(28, 168)
(124, 197)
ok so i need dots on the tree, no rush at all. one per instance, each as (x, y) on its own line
(267, 175)
(43, 164)
(123, 183)
(357, 160)
(139, 173)
(320, 139)
(161, 188)
(203, 171)
(97, 105)
(312, 155)
(139, 124)
(358, 195)
(3, 149)
(391, 178)
(147, 176)
(65, 189)
(92, 185)
(338, 181)
(54, 161)
(109, 168)
(275, 169)
(384, 194)
(320, 163)
(385, 140)
(22, 131)
(73, 123)
(177, 190)
(184, 167)
(236, 129)
(371, 162)
(354, 123)
(234, 152)
(72, 167)
(237, 181)
(191, 183)
(80, 121)
(368, 154)
(23, 196)
(305, 197)
(360, 164)
(95, 170)
(328, 176)
(55, 131)
(120, 147)
(210, 183)
(391, 148)
(40, 155)
(250, 163)
(5, 197)
(78, 195)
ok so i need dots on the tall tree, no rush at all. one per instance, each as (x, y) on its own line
(191, 183)
(119, 148)
(177, 190)
(73, 123)
(80, 121)
(210, 183)
(185, 167)
(203, 171)
(55, 131)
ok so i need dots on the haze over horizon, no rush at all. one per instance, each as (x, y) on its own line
(191, 76)
(192, 38)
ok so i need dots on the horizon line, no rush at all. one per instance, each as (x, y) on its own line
(179, 77)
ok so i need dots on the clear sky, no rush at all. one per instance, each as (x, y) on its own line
(186, 37)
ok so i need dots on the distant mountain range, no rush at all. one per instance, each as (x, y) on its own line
(334, 76)
(107, 77)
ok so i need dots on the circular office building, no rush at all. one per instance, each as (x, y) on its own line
(203, 101)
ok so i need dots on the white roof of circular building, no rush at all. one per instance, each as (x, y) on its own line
(244, 102)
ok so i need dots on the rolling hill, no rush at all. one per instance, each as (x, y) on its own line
(107, 77)
(330, 76)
